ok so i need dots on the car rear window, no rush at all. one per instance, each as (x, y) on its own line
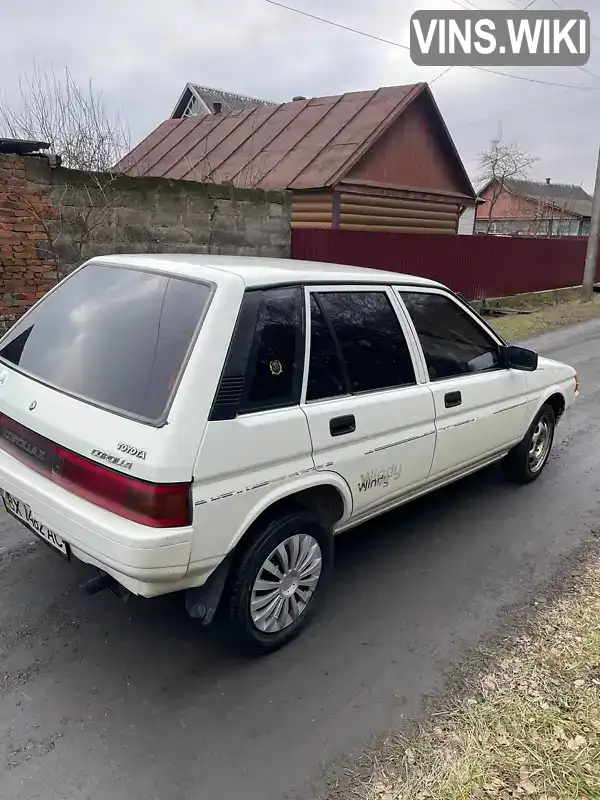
(116, 337)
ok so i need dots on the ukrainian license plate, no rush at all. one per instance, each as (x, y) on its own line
(22, 512)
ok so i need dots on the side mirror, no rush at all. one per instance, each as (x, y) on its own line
(519, 358)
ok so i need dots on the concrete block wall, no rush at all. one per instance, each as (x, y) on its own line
(52, 219)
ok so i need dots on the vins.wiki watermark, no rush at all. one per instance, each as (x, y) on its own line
(500, 38)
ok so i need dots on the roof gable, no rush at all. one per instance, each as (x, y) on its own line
(204, 97)
(304, 144)
(433, 161)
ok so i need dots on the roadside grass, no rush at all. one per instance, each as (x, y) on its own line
(548, 314)
(530, 729)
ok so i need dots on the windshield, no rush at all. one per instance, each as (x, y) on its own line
(114, 336)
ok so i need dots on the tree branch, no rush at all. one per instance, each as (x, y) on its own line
(73, 120)
(500, 162)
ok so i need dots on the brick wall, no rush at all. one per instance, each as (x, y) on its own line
(53, 219)
(27, 271)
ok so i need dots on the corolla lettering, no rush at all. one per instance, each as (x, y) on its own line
(23, 444)
(118, 462)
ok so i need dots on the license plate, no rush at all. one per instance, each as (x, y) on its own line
(22, 512)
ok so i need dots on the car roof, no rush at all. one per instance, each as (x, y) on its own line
(259, 272)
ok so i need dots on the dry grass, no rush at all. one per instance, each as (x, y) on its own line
(530, 730)
(554, 312)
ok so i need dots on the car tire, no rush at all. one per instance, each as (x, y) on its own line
(296, 540)
(526, 462)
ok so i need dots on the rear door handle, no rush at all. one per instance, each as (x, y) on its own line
(339, 426)
(452, 399)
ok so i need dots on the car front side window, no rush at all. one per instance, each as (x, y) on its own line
(452, 342)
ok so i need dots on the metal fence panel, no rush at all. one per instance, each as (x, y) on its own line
(477, 266)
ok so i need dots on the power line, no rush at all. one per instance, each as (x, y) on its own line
(456, 2)
(583, 69)
(510, 109)
(593, 35)
(406, 47)
(512, 2)
(338, 25)
(587, 71)
(441, 75)
(536, 80)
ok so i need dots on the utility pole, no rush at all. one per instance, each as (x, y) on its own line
(589, 272)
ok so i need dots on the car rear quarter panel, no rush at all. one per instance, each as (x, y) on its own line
(244, 466)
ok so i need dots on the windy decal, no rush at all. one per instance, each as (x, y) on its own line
(379, 478)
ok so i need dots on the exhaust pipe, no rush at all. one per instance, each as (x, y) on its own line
(104, 581)
(101, 582)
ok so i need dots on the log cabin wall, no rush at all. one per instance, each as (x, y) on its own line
(366, 212)
(312, 210)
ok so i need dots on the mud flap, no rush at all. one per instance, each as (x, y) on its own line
(202, 602)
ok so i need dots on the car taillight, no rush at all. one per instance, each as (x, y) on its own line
(155, 504)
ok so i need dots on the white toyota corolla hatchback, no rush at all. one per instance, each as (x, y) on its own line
(208, 424)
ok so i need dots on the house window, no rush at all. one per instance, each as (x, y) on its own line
(565, 227)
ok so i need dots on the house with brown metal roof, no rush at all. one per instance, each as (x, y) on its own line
(373, 160)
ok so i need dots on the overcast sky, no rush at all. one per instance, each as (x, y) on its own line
(141, 53)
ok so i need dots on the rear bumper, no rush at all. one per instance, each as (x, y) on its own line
(147, 561)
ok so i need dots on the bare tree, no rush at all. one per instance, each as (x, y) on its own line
(74, 122)
(499, 162)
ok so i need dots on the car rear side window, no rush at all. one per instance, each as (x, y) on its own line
(371, 341)
(274, 372)
(116, 337)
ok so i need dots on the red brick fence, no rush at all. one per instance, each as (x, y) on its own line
(477, 266)
(26, 270)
